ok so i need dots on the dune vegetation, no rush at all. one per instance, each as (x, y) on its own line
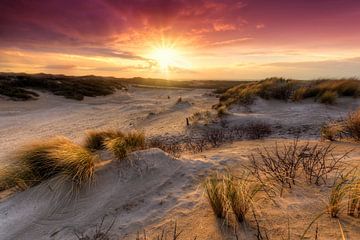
(123, 145)
(22, 86)
(43, 160)
(348, 128)
(324, 91)
(60, 157)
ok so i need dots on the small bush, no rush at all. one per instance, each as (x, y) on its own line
(58, 156)
(328, 97)
(352, 125)
(284, 164)
(170, 145)
(122, 146)
(95, 140)
(257, 130)
(215, 191)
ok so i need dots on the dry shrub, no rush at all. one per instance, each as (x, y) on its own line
(100, 232)
(328, 97)
(170, 145)
(57, 156)
(318, 161)
(284, 164)
(281, 164)
(122, 146)
(195, 144)
(257, 130)
(352, 125)
(95, 140)
(215, 136)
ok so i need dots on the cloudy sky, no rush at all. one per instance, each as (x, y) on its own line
(181, 39)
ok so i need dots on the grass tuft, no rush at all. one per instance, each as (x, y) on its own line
(241, 193)
(95, 140)
(352, 125)
(122, 146)
(215, 191)
(57, 156)
(328, 97)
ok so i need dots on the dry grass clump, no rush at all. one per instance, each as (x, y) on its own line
(348, 127)
(352, 125)
(332, 131)
(241, 192)
(200, 117)
(354, 199)
(231, 195)
(57, 156)
(122, 146)
(328, 97)
(95, 140)
(345, 192)
(216, 194)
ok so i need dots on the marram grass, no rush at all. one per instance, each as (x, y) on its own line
(95, 140)
(57, 156)
(123, 145)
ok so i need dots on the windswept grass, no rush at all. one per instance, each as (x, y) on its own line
(58, 156)
(216, 194)
(241, 193)
(122, 146)
(231, 195)
(95, 140)
(345, 192)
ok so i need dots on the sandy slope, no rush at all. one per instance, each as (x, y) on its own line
(21, 122)
(158, 189)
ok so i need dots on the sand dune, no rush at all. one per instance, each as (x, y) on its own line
(153, 189)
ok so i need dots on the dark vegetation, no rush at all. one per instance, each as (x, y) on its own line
(21, 86)
(324, 91)
(209, 136)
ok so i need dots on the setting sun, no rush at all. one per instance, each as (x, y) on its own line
(165, 57)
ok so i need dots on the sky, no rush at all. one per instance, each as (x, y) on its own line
(181, 39)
